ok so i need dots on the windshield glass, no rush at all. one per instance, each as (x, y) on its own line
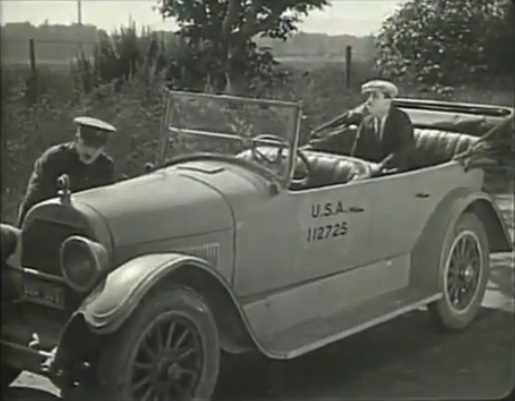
(250, 131)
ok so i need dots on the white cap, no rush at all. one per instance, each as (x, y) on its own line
(377, 85)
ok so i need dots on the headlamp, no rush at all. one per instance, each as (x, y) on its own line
(82, 262)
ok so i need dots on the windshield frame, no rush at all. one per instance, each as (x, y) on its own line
(292, 139)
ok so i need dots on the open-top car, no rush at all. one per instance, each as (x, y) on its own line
(240, 240)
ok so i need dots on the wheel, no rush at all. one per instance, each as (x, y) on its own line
(169, 349)
(9, 375)
(27, 394)
(464, 274)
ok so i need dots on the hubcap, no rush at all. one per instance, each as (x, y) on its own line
(167, 363)
(463, 273)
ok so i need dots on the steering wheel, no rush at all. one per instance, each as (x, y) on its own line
(271, 140)
(281, 144)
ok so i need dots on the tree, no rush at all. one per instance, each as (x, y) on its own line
(220, 33)
(446, 42)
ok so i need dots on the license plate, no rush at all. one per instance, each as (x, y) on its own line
(44, 293)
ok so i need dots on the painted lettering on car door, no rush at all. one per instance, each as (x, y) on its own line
(321, 229)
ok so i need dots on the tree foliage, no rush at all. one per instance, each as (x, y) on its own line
(220, 33)
(447, 42)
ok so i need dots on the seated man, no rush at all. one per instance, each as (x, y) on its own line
(385, 133)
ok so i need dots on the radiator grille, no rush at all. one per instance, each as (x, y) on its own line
(41, 242)
(208, 252)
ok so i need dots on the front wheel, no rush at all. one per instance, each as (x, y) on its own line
(463, 274)
(168, 350)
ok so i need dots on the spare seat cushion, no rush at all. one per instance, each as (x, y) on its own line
(433, 146)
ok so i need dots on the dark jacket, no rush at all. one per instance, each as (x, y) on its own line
(393, 148)
(63, 159)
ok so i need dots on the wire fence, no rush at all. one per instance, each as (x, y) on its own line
(43, 52)
(31, 54)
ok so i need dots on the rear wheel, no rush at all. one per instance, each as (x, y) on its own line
(169, 349)
(463, 275)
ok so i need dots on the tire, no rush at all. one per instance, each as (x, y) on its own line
(455, 316)
(128, 350)
(27, 394)
(8, 376)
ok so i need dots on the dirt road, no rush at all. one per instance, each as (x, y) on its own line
(401, 359)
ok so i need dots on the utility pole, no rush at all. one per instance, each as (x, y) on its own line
(79, 12)
(79, 21)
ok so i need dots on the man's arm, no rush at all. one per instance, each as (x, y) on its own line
(42, 183)
(353, 116)
(357, 147)
(404, 143)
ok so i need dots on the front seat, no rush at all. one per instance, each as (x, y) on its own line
(326, 170)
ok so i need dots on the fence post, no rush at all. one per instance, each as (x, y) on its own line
(348, 66)
(33, 80)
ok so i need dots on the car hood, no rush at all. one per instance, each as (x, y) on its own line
(158, 206)
(192, 198)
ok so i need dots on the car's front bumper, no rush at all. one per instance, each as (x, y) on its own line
(27, 341)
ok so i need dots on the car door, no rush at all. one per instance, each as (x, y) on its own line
(333, 229)
(403, 203)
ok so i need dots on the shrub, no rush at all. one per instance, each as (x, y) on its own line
(447, 42)
(119, 56)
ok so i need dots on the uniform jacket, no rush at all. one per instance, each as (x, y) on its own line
(396, 142)
(63, 159)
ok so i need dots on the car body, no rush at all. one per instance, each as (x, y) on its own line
(282, 269)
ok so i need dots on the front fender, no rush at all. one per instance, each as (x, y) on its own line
(425, 256)
(112, 302)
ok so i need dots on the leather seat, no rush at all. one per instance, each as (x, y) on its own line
(326, 169)
(433, 146)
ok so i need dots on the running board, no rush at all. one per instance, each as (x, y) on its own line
(325, 330)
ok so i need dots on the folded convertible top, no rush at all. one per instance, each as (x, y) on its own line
(463, 118)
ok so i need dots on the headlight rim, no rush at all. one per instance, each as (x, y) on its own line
(97, 254)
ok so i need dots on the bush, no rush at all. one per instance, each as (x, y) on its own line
(448, 42)
(119, 56)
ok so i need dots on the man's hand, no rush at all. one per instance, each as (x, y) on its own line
(376, 168)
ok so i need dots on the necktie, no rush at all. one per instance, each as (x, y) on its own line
(377, 127)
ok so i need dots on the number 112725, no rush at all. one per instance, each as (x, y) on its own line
(327, 231)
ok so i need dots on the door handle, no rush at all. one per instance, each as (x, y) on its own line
(356, 209)
(422, 195)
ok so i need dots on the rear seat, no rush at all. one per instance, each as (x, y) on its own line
(433, 146)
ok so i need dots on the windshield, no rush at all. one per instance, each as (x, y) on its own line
(256, 132)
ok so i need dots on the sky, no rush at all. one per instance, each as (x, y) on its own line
(354, 17)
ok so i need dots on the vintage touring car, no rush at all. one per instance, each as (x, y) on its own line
(258, 244)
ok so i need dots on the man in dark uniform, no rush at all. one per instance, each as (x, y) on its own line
(385, 133)
(83, 160)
